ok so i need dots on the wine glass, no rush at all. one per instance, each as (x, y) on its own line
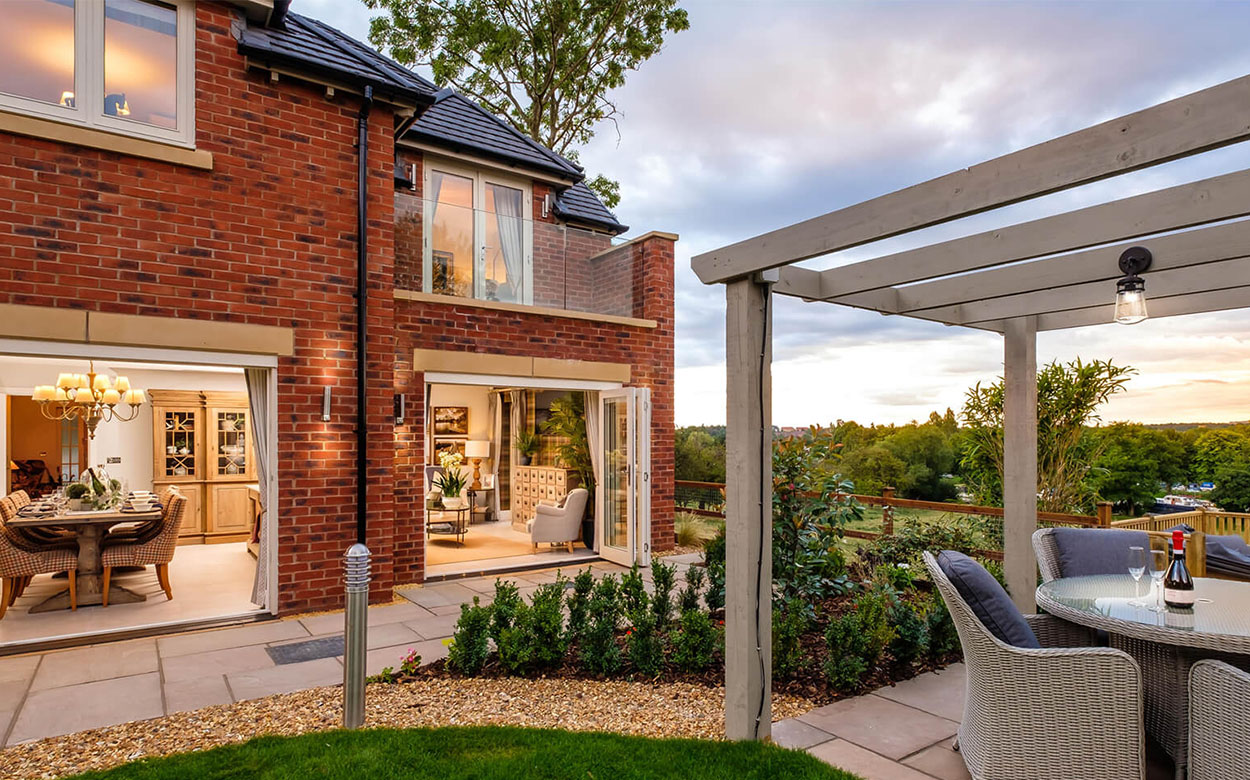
(1136, 569)
(1156, 575)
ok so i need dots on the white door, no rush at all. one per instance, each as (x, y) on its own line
(623, 499)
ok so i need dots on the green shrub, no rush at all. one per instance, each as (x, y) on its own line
(470, 642)
(694, 643)
(714, 556)
(911, 635)
(688, 599)
(578, 604)
(646, 655)
(943, 637)
(873, 608)
(847, 645)
(789, 624)
(912, 537)
(691, 530)
(599, 653)
(535, 639)
(899, 577)
(664, 578)
(504, 608)
(633, 591)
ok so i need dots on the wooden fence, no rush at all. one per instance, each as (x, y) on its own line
(707, 499)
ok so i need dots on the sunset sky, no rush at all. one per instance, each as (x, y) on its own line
(764, 114)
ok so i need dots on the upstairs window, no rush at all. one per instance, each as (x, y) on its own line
(479, 235)
(126, 66)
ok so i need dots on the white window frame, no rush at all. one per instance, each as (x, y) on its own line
(480, 178)
(88, 110)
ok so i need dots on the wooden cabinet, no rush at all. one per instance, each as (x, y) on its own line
(538, 483)
(202, 442)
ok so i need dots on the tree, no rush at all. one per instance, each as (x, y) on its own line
(1135, 463)
(546, 66)
(698, 455)
(1219, 449)
(1068, 397)
(1232, 490)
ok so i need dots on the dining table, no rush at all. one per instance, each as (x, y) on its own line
(88, 528)
(1165, 644)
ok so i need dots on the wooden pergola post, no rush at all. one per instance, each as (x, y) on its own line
(748, 511)
(1020, 459)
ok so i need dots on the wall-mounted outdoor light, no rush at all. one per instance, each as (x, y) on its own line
(399, 408)
(1130, 292)
(325, 404)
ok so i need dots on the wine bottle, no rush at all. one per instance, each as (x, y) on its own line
(1178, 586)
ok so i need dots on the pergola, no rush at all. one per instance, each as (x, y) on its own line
(1047, 274)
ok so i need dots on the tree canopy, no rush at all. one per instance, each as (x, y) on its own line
(546, 66)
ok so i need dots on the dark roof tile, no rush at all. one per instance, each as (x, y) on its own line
(580, 204)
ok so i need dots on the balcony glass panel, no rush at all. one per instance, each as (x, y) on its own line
(518, 260)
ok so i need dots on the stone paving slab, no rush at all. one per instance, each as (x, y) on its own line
(206, 641)
(193, 694)
(227, 661)
(57, 711)
(885, 727)
(285, 679)
(332, 622)
(797, 735)
(941, 761)
(863, 762)
(97, 662)
(940, 693)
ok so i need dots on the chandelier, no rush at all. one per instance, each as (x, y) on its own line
(90, 397)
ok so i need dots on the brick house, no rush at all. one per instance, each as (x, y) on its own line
(180, 192)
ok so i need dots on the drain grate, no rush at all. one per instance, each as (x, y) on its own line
(308, 650)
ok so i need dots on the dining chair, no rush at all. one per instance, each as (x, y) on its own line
(19, 564)
(1083, 552)
(1218, 730)
(157, 551)
(145, 531)
(1053, 712)
(9, 507)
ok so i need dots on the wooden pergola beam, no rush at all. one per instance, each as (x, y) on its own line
(1205, 120)
(1174, 208)
(1222, 300)
(935, 300)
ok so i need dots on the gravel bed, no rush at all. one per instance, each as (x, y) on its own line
(641, 709)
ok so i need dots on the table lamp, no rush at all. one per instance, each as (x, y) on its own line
(475, 450)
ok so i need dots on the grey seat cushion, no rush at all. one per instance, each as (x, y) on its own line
(1085, 552)
(987, 599)
(1228, 555)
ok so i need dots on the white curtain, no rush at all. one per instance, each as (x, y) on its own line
(496, 445)
(594, 441)
(508, 217)
(436, 186)
(258, 403)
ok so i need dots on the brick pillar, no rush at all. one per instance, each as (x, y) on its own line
(653, 296)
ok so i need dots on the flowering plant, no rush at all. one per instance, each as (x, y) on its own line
(453, 479)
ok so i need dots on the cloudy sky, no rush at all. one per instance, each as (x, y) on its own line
(764, 114)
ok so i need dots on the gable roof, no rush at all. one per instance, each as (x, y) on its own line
(460, 124)
(579, 204)
(308, 45)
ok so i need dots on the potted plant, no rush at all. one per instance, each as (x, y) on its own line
(526, 443)
(452, 481)
(75, 492)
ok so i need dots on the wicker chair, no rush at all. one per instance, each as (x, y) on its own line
(1056, 713)
(157, 551)
(1047, 553)
(1218, 730)
(19, 564)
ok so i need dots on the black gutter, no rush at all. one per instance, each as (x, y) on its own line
(362, 297)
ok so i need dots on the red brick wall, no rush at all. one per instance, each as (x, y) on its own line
(459, 327)
(266, 237)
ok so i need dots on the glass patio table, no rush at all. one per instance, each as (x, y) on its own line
(1164, 644)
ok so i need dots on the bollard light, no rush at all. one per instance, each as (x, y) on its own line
(355, 640)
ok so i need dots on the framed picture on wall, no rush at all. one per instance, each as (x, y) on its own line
(446, 445)
(451, 421)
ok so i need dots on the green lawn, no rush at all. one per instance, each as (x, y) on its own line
(481, 753)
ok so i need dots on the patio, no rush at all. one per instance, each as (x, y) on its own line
(1183, 247)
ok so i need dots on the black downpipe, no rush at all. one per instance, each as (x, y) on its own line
(362, 296)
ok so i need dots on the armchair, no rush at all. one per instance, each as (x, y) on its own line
(560, 525)
(1218, 730)
(1053, 713)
